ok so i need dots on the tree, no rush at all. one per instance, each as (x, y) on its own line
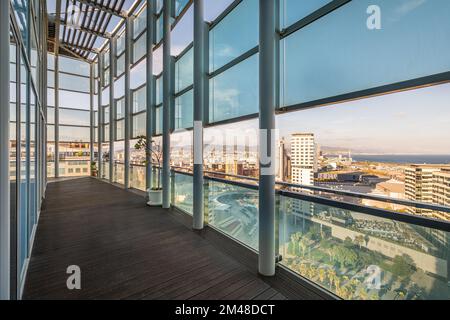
(322, 275)
(345, 256)
(359, 240)
(151, 152)
(403, 266)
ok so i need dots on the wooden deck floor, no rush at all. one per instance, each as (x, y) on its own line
(127, 250)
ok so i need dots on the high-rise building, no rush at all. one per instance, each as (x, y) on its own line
(429, 184)
(303, 166)
(419, 185)
(303, 158)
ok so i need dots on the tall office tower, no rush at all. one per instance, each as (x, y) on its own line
(303, 164)
(303, 158)
(281, 160)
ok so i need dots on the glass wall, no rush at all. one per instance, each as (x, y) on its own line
(74, 115)
(27, 122)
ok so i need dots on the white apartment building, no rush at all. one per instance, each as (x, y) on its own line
(304, 158)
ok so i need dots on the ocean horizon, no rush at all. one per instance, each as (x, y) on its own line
(403, 158)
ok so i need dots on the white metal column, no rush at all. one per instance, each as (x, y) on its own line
(4, 153)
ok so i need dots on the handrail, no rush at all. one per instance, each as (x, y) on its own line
(409, 203)
(393, 215)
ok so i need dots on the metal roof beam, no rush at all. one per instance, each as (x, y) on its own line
(122, 14)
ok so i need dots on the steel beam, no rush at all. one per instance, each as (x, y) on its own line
(112, 71)
(122, 14)
(100, 115)
(150, 85)
(92, 116)
(167, 98)
(128, 107)
(5, 219)
(267, 44)
(200, 31)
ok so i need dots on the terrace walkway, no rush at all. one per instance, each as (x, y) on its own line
(127, 250)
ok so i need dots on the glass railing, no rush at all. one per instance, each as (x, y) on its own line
(183, 192)
(233, 210)
(138, 177)
(350, 249)
(357, 255)
(119, 172)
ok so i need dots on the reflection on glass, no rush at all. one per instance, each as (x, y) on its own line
(184, 71)
(183, 192)
(234, 211)
(184, 111)
(225, 45)
(317, 63)
(232, 94)
(358, 256)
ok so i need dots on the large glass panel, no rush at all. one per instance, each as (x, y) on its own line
(159, 90)
(120, 44)
(317, 63)
(120, 130)
(179, 6)
(359, 256)
(120, 109)
(184, 111)
(120, 65)
(158, 120)
(140, 23)
(77, 83)
(183, 192)
(233, 95)
(184, 71)
(74, 66)
(234, 35)
(137, 177)
(73, 100)
(140, 48)
(292, 11)
(139, 100)
(139, 125)
(74, 117)
(234, 211)
(74, 134)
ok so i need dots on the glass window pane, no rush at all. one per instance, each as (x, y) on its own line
(232, 94)
(120, 44)
(74, 134)
(120, 109)
(158, 120)
(235, 34)
(74, 66)
(159, 90)
(74, 117)
(70, 82)
(120, 65)
(139, 125)
(184, 111)
(140, 23)
(292, 11)
(179, 6)
(140, 48)
(75, 100)
(324, 60)
(184, 71)
(139, 100)
(120, 130)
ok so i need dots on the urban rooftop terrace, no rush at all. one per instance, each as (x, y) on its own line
(229, 149)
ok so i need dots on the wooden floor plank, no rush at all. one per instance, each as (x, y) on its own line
(127, 250)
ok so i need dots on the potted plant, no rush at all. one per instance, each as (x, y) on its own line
(154, 154)
(94, 170)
